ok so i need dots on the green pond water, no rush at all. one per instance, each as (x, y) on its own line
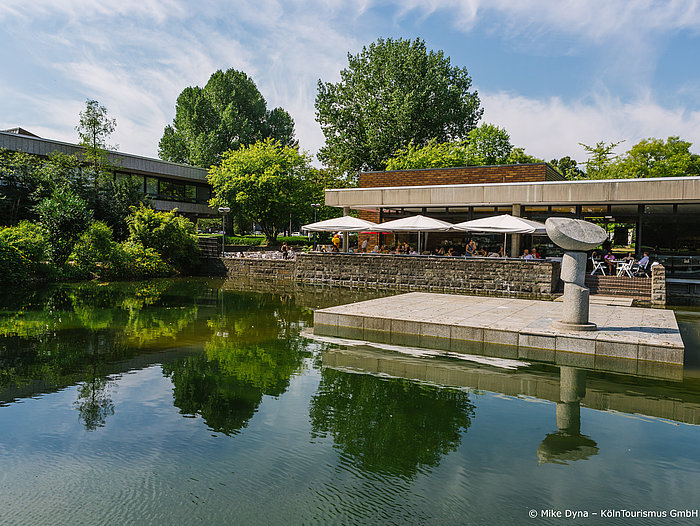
(204, 402)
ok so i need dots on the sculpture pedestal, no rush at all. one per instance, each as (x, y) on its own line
(576, 303)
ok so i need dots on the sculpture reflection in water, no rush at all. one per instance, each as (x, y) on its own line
(568, 444)
(389, 425)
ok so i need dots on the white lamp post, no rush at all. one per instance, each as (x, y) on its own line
(223, 210)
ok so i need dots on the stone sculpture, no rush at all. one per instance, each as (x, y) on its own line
(576, 237)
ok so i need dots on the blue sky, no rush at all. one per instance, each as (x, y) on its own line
(551, 73)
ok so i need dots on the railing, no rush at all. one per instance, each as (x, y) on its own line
(680, 267)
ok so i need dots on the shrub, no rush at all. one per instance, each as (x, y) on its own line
(14, 266)
(172, 236)
(250, 241)
(29, 238)
(65, 216)
(93, 253)
(132, 260)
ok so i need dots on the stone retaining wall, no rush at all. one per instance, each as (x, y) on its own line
(493, 277)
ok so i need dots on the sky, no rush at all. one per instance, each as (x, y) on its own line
(552, 73)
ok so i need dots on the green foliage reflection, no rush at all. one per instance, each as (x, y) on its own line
(391, 425)
(255, 349)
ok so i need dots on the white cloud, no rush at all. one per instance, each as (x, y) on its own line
(551, 128)
(136, 56)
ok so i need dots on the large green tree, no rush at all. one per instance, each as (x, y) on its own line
(228, 113)
(267, 182)
(393, 92)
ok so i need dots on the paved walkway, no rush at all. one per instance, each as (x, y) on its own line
(461, 323)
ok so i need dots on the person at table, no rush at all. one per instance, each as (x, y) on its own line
(644, 261)
(441, 251)
(527, 255)
(451, 252)
(628, 257)
(470, 249)
(610, 261)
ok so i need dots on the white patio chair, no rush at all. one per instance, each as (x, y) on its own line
(625, 267)
(597, 265)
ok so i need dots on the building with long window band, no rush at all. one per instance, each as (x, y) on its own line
(168, 185)
(658, 215)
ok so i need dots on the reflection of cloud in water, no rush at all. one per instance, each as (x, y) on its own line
(419, 351)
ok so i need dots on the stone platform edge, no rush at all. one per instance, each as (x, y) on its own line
(575, 349)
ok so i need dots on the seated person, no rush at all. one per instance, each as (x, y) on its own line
(644, 261)
(375, 250)
(628, 257)
(482, 253)
(610, 260)
(536, 254)
(441, 251)
(527, 255)
(470, 249)
(451, 252)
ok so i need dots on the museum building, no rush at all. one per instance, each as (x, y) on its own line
(168, 185)
(659, 215)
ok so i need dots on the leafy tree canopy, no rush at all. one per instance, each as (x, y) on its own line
(393, 92)
(568, 168)
(228, 113)
(486, 145)
(658, 158)
(268, 182)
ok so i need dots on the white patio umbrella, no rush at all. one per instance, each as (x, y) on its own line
(415, 224)
(341, 224)
(504, 224)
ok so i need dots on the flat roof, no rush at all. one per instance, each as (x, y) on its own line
(608, 191)
(123, 161)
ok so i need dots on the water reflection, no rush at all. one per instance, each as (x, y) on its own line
(344, 408)
(389, 425)
(568, 444)
(253, 351)
(77, 334)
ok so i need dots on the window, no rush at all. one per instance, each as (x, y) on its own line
(151, 186)
(191, 192)
(203, 194)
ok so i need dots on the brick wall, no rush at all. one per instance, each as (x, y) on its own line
(515, 173)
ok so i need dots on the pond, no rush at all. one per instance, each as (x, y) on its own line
(199, 401)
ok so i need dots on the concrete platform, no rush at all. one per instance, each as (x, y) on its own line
(498, 326)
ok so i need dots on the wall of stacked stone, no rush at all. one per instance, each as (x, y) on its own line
(658, 285)
(534, 279)
(278, 269)
(493, 277)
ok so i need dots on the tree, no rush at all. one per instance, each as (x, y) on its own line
(489, 145)
(393, 92)
(658, 158)
(267, 181)
(602, 162)
(486, 145)
(227, 114)
(568, 168)
(94, 129)
(65, 217)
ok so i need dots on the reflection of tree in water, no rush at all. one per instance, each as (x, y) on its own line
(387, 424)
(67, 335)
(94, 403)
(254, 351)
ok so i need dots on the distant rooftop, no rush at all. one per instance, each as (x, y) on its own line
(21, 131)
